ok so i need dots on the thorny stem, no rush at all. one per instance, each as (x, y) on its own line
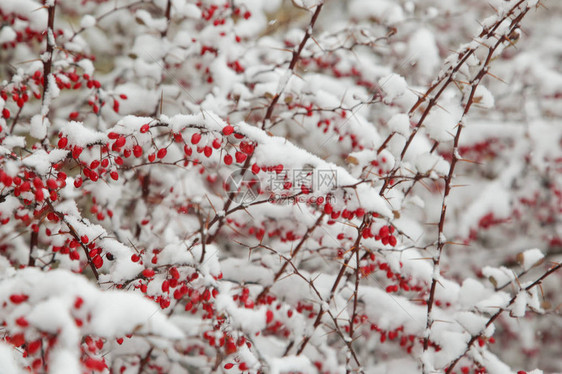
(293, 255)
(47, 65)
(77, 238)
(293, 63)
(167, 14)
(343, 268)
(145, 360)
(318, 320)
(220, 219)
(355, 300)
(32, 244)
(117, 8)
(15, 120)
(440, 241)
(444, 83)
(492, 319)
(448, 179)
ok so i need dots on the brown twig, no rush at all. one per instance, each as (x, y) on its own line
(474, 338)
(293, 63)
(47, 65)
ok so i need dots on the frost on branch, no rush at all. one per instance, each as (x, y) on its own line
(279, 186)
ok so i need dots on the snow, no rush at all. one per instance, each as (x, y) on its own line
(393, 311)
(471, 322)
(492, 198)
(78, 134)
(52, 92)
(64, 362)
(423, 52)
(400, 123)
(11, 142)
(8, 358)
(122, 267)
(39, 126)
(187, 9)
(87, 66)
(366, 64)
(393, 86)
(498, 276)
(307, 4)
(248, 320)
(291, 364)
(383, 10)
(474, 293)
(28, 8)
(430, 162)
(113, 313)
(8, 206)
(144, 17)
(483, 97)
(42, 161)
(443, 119)
(138, 98)
(88, 21)
(7, 34)
(530, 258)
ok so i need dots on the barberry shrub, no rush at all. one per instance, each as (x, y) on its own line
(268, 186)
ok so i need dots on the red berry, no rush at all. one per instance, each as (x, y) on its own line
(73, 115)
(137, 151)
(240, 157)
(174, 273)
(18, 298)
(22, 322)
(94, 364)
(39, 195)
(187, 150)
(17, 339)
(227, 130)
(148, 273)
(255, 169)
(62, 142)
(120, 141)
(162, 153)
(78, 302)
(52, 184)
(97, 261)
(207, 151)
(144, 128)
(33, 346)
(165, 286)
(5, 113)
(76, 151)
(228, 159)
(195, 138)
